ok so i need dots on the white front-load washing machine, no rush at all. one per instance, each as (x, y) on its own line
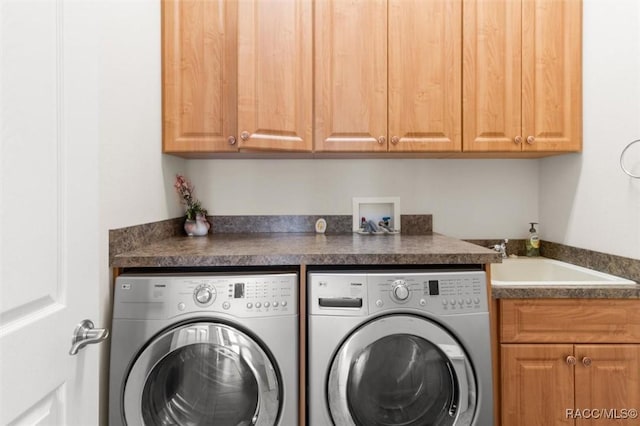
(403, 347)
(205, 349)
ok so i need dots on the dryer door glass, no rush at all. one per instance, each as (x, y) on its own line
(401, 380)
(202, 374)
(401, 370)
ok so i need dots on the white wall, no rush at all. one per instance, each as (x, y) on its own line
(468, 198)
(586, 200)
(136, 180)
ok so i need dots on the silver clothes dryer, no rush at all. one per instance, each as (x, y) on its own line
(401, 347)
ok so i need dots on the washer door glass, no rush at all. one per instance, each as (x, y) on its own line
(200, 384)
(400, 370)
(202, 374)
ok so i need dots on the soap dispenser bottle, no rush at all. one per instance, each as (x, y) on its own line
(533, 242)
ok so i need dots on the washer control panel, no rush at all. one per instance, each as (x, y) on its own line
(164, 296)
(439, 292)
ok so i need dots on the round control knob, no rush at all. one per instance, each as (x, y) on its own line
(267, 304)
(379, 303)
(400, 291)
(181, 306)
(204, 294)
(275, 304)
(258, 305)
(284, 303)
(226, 305)
(249, 305)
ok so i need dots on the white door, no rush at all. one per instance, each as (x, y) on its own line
(49, 211)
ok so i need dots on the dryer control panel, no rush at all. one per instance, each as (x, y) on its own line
(437, 292)
(165, 296)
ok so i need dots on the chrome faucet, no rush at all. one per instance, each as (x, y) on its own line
(501, 248)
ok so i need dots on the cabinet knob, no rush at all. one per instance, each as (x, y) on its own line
(382, 140)
(531, 140)
(586, 361)
(244, 135)
(518, 140)
(395, 140)
(231, 140)
(571, 360)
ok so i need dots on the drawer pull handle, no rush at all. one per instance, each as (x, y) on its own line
(571, 360)
(586, 361)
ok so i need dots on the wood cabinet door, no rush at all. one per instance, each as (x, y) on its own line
(492, 67)
(552, 75)
(351, 75)
(275, 75)
(425, 40)
(607, 377)
(537, 384)
(199, 99)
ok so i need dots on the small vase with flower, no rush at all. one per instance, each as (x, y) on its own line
(196, 224)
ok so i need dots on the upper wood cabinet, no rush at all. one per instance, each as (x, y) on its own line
(237, 75)
(351, 75)
(522, 75)
(370, 76)
(199, 75)
(425, 44)
(387, 75)
(275, 75)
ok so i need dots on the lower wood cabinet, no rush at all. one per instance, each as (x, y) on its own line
(562, 378)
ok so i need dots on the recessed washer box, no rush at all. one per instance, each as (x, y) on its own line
(375, 208)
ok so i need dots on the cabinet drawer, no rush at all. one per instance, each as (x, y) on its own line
(569, 321)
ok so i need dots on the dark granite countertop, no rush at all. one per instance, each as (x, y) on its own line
(568, 292)
(287, 241)
(283, 248)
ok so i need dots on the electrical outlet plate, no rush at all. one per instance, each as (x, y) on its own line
(375, 208)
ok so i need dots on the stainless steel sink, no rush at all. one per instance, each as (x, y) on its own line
(540, 271)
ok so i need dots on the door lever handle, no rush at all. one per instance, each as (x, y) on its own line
(85, 334)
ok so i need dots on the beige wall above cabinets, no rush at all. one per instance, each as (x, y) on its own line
(237, 76)
(388, 76)
(440, 77)
(522, 75)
